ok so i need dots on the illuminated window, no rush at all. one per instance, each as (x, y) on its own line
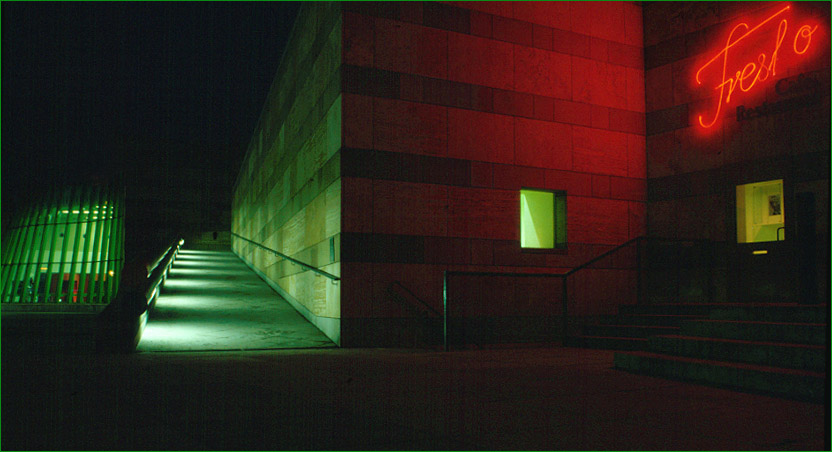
(760, 212)
(542, 219)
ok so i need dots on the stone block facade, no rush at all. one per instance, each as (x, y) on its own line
(450, 109)
(693, 170)
(397, 137)
(288, 193)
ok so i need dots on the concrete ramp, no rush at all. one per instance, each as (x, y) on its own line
(213, 301)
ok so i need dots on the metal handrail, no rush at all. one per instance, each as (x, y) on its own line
(563, 276)
(603, 255)
(421, 303)
(158, 270)
(123, 320)
(291, 259)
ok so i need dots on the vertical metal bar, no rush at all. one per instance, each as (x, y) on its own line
(121, 236)
(565, 309)
(50, 214)
(29, 249)
(110, 256)
(116, 244)
(74, 193)
(95, 258)
(9, 258)
(22, 245)
(89, 234)
(445, 310)
(60, 197)
(106, 263)
(678, 272)
(24, 261)
(76, 245)
(711, 288)
(639, 295)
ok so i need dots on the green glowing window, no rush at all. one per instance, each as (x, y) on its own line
(542, 219)
(760, 212)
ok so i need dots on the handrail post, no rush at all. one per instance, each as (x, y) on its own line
(711, 289)
(565, 313)
(639, 288)
(445, 310)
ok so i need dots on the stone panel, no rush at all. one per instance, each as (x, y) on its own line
(480, 61)
(408, 208)
(542, 72)
(412, 49)
(596, 220)
(483, 213)
(409, 127)
(480, 136)
(543, 144)
(599, 151)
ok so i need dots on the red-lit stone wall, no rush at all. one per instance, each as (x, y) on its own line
(450, 108)
(693, 170)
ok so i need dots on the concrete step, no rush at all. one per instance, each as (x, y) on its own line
(791, 383)
(648, 319)
(790, 332)
(773, 313)
(700, 309)
(775, 354)
(608, 343)
(640, 331)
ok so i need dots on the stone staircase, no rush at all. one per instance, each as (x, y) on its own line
(631, 327)
(779, 349)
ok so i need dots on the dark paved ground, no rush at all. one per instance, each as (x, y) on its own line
(556, 398)
(65, 397)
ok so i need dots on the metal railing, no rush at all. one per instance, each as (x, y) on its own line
(497, 293)
(306, 266)
(640, 271)
(424, 325)
(122, 322)
(407, 298)
(158, 271)
(66, 247)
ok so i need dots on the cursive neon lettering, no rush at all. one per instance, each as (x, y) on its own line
(746, 73)
(746, 76)
(804, 32)
(760, 75)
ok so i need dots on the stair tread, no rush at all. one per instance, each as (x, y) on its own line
(756, 322)
(626, 338)
(741, 305)
(739, 365)
(651, 327)
(660, 315)
(741, 341)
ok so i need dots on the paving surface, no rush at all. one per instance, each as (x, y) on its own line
(559, 398)
(68, 398)
(213, 301)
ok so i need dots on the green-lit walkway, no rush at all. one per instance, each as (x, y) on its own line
(213, 301)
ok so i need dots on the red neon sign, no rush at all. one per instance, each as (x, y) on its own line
(745, 76)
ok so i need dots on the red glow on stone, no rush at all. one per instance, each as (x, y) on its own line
(738, 70)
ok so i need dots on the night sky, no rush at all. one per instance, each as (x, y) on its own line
(92, 88)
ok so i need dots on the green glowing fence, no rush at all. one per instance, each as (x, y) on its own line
(66, 247)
